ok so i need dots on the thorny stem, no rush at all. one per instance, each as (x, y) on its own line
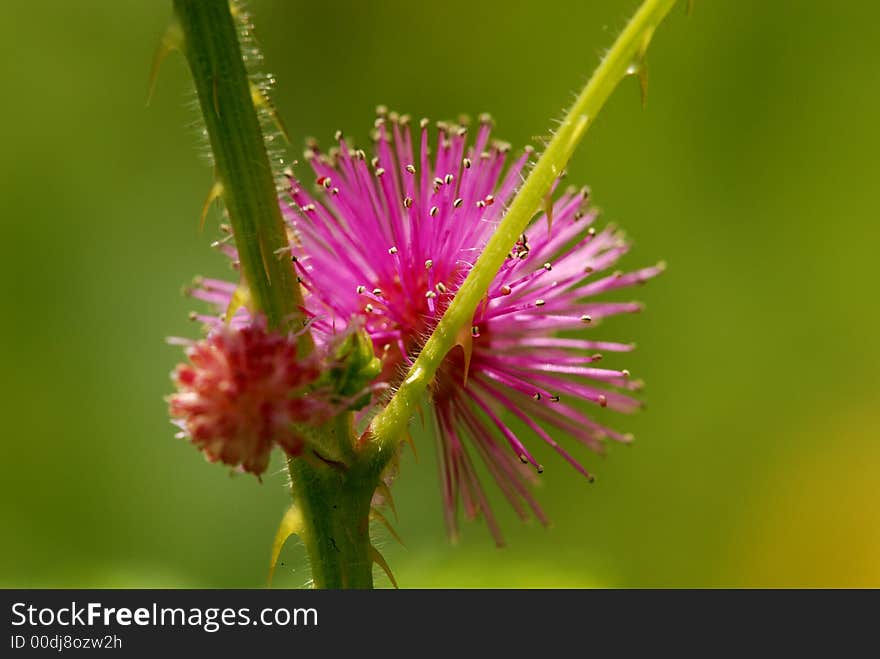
(210, 44)
(625, 56)
(334, 502)
(333, 496)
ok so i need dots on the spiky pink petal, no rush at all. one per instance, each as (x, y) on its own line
(388, 240)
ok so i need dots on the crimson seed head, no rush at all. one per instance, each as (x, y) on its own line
(240, 392)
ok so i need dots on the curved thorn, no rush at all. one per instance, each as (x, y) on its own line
(172, 40)
(379, 517)
(240, 298)
(383, 489)
(465, 340)
(291, 524)
(379, 560)
(412, 443)
(215, 193)
(643, 81)
(262, 101)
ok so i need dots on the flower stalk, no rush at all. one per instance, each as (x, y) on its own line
(335, 508)
(626, 57)
(333, 496)
(247, 186)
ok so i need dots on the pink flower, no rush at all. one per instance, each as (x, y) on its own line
(241, 392)
(388, 240)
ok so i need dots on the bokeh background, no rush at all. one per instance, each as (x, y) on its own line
(753, 171)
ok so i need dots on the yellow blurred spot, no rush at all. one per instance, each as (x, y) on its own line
(815, 520)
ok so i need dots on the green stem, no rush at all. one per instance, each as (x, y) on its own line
(335, 508)
(210, 43)
(333, 491)
(625, 56)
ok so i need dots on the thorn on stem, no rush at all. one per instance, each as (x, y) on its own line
(215, 193)
(172, 40)
(379, 560)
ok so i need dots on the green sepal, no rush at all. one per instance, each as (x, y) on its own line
(354, 366)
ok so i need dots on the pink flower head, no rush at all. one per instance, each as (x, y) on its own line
(387, 240)
(242, 391)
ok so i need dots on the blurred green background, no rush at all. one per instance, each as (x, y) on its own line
(753, 171)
